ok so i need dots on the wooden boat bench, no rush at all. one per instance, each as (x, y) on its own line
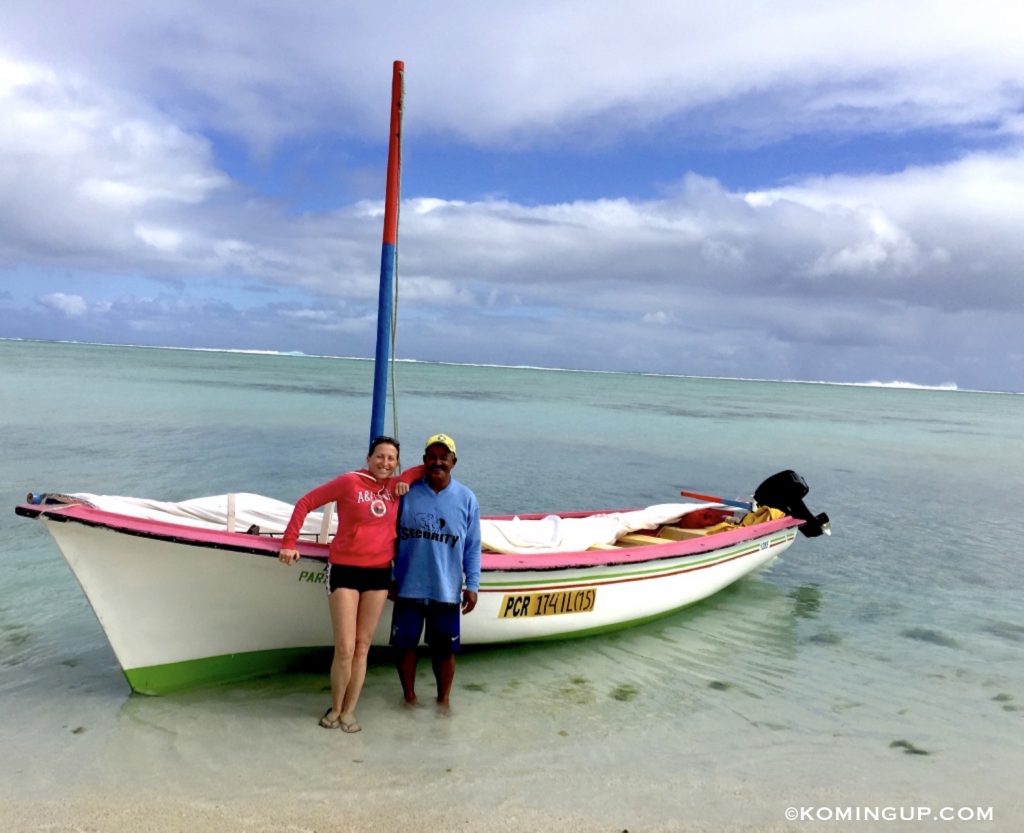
(638, 539)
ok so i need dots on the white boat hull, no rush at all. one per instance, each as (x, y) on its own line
(182, 607)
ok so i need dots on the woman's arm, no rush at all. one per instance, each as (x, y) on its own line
(323, 494)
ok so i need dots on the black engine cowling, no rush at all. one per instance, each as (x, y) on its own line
(786, 491)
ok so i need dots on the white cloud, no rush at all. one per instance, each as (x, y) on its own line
(935, 224)
(165, 239)
(540, 70)
(660, 317)
(80, 165)
(308, 315)
(73, 306)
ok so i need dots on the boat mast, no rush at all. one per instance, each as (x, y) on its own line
(388, 256)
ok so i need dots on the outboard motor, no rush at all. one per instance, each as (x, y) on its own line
(786, 491)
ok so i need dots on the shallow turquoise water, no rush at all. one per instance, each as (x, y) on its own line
(906, 625)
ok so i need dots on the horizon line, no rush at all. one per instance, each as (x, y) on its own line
(895, 384)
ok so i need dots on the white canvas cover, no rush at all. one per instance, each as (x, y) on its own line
(545, 535)
(557, 534)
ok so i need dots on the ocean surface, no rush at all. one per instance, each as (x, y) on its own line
(873, 671)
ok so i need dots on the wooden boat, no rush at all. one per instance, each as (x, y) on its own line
(185, 601)
(193, 593)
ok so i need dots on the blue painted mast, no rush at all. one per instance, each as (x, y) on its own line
(388, 256)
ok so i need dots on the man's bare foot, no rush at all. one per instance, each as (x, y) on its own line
(410, 702)
(444, 709)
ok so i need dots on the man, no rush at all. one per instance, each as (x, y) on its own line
(438, 547)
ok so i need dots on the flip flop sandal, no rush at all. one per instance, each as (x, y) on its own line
(330, 724)
(351, 728)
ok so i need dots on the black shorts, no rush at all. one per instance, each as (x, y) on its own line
(357, 578)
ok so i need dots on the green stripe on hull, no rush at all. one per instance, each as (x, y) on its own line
(233, 668)
(230, 668)
(643, 570)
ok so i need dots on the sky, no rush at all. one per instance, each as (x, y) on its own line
(819, 191)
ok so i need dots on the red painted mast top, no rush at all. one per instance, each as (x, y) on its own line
(394, 155)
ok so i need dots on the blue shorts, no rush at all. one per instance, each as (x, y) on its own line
(440, 619)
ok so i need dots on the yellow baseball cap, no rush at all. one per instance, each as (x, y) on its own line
(444, 440)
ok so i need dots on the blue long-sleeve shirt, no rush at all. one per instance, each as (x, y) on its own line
(438, 543)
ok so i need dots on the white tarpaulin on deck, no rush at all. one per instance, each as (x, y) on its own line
(558, 534)
(545, 535)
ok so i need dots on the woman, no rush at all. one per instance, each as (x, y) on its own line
(358, 565)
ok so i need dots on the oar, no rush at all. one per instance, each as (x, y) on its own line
(739, 504)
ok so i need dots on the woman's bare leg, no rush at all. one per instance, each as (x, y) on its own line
(371, 604)
(344, 605)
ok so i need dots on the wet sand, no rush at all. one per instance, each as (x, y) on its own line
(228, 764)
(119, 815)
(556, 743)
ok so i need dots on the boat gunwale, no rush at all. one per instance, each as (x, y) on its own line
(490, 562)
